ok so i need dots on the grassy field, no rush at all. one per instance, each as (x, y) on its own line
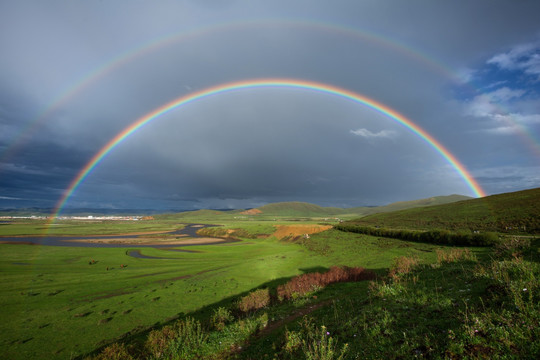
(28, 227)
(57, 302)
(221, 301)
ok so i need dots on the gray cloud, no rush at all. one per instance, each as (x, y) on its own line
(249, 147)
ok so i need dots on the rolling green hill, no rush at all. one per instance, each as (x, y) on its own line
(298, 209)
(303, 209)
(401, 205)
(516, 212)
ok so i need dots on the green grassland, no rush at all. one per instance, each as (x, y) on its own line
(29, 227)
(56, 303)
(429, 300)
(516, 212)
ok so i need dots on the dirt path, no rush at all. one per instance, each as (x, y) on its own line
(306, 310)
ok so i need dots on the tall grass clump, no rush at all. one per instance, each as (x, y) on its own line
(220, 318)
(115, 351)
(402, 265)
(312, 343)
(454, 255)
(255, 300)
(184, 339)
(512, 247)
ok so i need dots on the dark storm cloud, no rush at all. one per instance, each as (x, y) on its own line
(250, 147)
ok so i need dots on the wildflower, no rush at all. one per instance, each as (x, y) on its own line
(327, 333)
(525, 289)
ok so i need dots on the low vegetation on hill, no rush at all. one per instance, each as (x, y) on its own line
(390, 286)
(296, 210)
(459, 306)
(516, 212)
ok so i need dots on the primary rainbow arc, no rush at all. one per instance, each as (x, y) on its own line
(265, 83)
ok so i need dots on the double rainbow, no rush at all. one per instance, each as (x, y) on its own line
(268, 83)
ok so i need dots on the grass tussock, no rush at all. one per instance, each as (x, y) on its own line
(255, 300)
(402, 265)
(220, 318)
(116, 351)
(454, 255)
(312, 342)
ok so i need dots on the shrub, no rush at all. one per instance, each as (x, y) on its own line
(402, 265)
(454, 255)
(191, 332)
(304, 284)
(158, 341)
(255, 300)
(116, 351)
(220, 318)
(293, 341)
(312, 343)
(183, 338)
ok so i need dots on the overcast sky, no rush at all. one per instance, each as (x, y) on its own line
(73, 74)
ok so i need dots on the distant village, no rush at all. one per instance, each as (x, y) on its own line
(87, 218)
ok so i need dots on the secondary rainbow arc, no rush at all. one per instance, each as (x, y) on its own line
(163, 41)
(267, 83)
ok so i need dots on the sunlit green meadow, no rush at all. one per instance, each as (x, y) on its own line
(59, 302)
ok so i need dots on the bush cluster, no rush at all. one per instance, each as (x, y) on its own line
(183, 339)
(454, 255)
(312, 343)
(255, 300)
(306, 283)
(220, 318)
(432, 236)
(402, 265)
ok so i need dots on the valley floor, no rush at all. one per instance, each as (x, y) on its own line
(223, 300)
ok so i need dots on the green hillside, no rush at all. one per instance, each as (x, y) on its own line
(401, 205)
(302, 209)
(517, 212)
(296, 208)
